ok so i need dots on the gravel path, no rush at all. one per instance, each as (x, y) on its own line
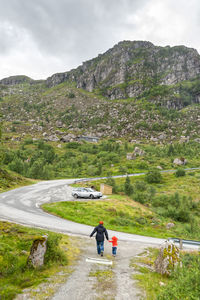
(82, 285)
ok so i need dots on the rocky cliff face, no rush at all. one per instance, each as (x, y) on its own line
(166, 76)
(14, 80)
(131, 69)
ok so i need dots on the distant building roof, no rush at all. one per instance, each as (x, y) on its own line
(88, 138)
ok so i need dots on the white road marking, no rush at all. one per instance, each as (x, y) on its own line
(98, 261)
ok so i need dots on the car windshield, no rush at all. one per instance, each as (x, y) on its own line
(90, 190)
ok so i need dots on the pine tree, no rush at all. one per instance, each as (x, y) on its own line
(128, 188)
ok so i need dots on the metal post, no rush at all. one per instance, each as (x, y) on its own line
(181, 244)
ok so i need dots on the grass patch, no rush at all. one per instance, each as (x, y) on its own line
(120, 213)
(10, 180)
(15, 244)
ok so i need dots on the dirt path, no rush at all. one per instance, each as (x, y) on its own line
(91, 281)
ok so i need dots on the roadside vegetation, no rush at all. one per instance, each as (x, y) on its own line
(182, 284)
(42, 160)
(15, 245)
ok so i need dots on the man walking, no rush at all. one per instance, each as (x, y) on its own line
(100, 232)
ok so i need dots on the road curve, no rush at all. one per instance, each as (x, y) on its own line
(22, 206)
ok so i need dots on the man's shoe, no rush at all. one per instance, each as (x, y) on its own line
(101, 253)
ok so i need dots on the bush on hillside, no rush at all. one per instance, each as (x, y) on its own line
(153, 176)
(180, 172)
(174, 206)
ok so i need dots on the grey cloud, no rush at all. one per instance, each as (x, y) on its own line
(60, 34)
(69, 26)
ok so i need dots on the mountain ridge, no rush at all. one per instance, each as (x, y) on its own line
(94, 99)
(131, 69)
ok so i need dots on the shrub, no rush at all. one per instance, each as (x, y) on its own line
(153, 176)
(16, 165)
(141, 165)
(28, 141)
(72, 145)
(180, 172)
(92, 170)
(110, 181)
(140, 197)
(71, 95)
(185, 280)
(54, 254)
(174, 206)
(140, 185)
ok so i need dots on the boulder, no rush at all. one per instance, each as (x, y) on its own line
(59, 124)
(184, 139)
(52, 138)
(168, 258)
(162, 136)
(37, 252)
(130, 156)
(180, 161)
(159, 167)
(169, 225)
(197, 140)
(138, 152)
(68, 138)
(153, 139)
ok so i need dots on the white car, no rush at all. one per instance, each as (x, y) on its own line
(86, 193)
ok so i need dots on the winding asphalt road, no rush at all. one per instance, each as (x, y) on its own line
(22, 206)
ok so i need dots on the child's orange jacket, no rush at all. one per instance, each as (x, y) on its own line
(114, 241)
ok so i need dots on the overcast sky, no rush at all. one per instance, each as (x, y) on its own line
(41, 37)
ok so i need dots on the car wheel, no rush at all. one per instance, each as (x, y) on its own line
(91, 196)
(75, 196)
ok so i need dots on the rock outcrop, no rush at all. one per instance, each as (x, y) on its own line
(134, 69)
(37, 253)
(180, 161)
(13, 80)
(168, 258)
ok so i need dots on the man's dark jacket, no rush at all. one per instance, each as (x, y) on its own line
(100, 230)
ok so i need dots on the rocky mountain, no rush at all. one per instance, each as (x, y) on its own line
(139, 69)
(135, 90)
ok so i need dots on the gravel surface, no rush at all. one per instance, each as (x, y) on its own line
(81, 285)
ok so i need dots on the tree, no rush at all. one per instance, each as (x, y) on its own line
(153, 176)
(128, 188)
(170, 150)
(180, 172)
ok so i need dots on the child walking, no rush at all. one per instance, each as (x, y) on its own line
(114, 245)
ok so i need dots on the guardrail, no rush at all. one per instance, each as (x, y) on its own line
(186, 242)
(132, 174)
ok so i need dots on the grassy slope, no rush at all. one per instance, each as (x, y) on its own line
(15, 244)
(10, 180)
(133, 119)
